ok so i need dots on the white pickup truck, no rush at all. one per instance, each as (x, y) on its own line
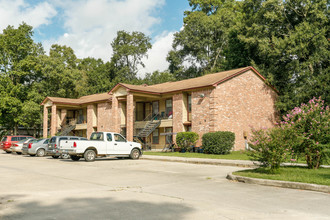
(101, 144)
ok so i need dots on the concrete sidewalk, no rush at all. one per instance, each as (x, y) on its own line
(223, 162)
(248, 164)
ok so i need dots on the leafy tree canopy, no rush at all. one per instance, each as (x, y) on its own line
(128, 51)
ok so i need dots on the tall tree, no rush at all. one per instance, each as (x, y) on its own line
(18, 53)
(288, 41)
(200, 46)
(60, 72)
(96, 76)
(128, 51)
(158, 77)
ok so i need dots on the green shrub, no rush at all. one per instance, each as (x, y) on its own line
(220, 142)
(311, 123)
(272, 147)
(186, 139)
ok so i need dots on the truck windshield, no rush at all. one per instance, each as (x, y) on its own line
(97, 136)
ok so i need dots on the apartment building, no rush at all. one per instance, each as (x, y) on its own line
(236, 100)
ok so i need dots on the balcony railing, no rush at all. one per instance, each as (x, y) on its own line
(156, 116)
(79, 120)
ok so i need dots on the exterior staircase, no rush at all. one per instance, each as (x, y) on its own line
(150, 126)
(67, 129)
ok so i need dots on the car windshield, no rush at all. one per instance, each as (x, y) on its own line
(4, 139)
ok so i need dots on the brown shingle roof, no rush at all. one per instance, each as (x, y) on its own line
(198, 82)
(81, 100)
(168, 87)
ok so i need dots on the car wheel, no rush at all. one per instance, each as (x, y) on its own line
(75, 158)
(8, 152)
(19, 153)
(55, 157)
(135, 154)
(89, 155)
(65, 156)
(32, 155)
(40, 152)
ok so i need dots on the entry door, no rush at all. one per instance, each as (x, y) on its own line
(121, 146)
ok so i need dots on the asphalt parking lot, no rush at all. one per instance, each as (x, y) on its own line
(47, 188)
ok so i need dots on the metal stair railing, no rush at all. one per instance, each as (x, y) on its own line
(150, 126)
(68, 128)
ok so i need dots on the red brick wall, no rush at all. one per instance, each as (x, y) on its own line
(53, 123)
(90, 120)
(45, 122)
(200, 111)
(242, 103)
(177, 113)
(104, 117)
(129, 117)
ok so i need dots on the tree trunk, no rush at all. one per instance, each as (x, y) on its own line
(15, 129)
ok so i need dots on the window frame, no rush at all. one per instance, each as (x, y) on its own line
(119, 135)
(153, 142)
(167, 113)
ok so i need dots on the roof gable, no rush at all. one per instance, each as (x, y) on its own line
(79, 101)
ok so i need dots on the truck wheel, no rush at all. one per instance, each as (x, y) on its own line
(40, 152)
(8, 152)
(19, 153)
(89, 155)
(32, 155)
(135, 154)
(75, 158)
(55, 157)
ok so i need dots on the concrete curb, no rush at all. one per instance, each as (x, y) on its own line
(279, 183)
(237, 163)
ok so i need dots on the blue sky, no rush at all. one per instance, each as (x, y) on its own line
(89, 26)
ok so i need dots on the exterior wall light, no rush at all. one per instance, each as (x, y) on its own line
(202, 95)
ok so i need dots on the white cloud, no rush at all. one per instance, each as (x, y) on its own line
(157, 55)
(91, 25)
(16, 11)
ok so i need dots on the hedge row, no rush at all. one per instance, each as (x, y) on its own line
(220, 142)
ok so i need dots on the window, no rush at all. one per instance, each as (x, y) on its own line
(74, 138)
(139, 111)
(97, 136)
(62, 138)
(52, 140)
(46, 141)
(4, 139)
(155, 108)
(119, 138)
(189, 103)
(109, 137)
(155, 136)
(168, 107)
(169, 137)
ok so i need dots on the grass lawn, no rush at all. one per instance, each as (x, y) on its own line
(235, 155)
(320, 176)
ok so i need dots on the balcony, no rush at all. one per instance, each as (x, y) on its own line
(80, 122)
(166, 119)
